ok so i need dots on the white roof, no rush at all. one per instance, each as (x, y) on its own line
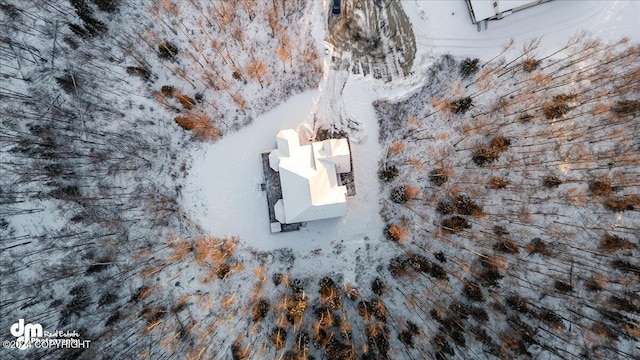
(309, 178)
(483, 9)
(276, 227)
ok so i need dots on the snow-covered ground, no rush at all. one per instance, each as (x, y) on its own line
(222, 192)
(128, 296)
(444, 27)
(223, 189)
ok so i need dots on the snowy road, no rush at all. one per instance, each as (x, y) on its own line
(444, 27)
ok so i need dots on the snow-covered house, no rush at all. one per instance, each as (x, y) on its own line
(311, 188)
(485, 10)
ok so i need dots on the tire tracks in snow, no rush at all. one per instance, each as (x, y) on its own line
(594, 10)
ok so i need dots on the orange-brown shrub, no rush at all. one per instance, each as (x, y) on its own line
(184, 122)
(411, 192)
(600, 187)
(396, 147)
(186, 102)
(397, 232)
(497, 183)
(614, 242)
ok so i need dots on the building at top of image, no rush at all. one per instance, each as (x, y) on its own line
(482, 11)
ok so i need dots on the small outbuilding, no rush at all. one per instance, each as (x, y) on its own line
(482, 11)
(309, 177)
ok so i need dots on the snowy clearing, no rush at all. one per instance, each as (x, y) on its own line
(222, 192)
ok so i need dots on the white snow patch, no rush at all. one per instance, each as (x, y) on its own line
(444, 27)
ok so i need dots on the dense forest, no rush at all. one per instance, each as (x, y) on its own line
(101, 101)
(510, 190)
(518, 179)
